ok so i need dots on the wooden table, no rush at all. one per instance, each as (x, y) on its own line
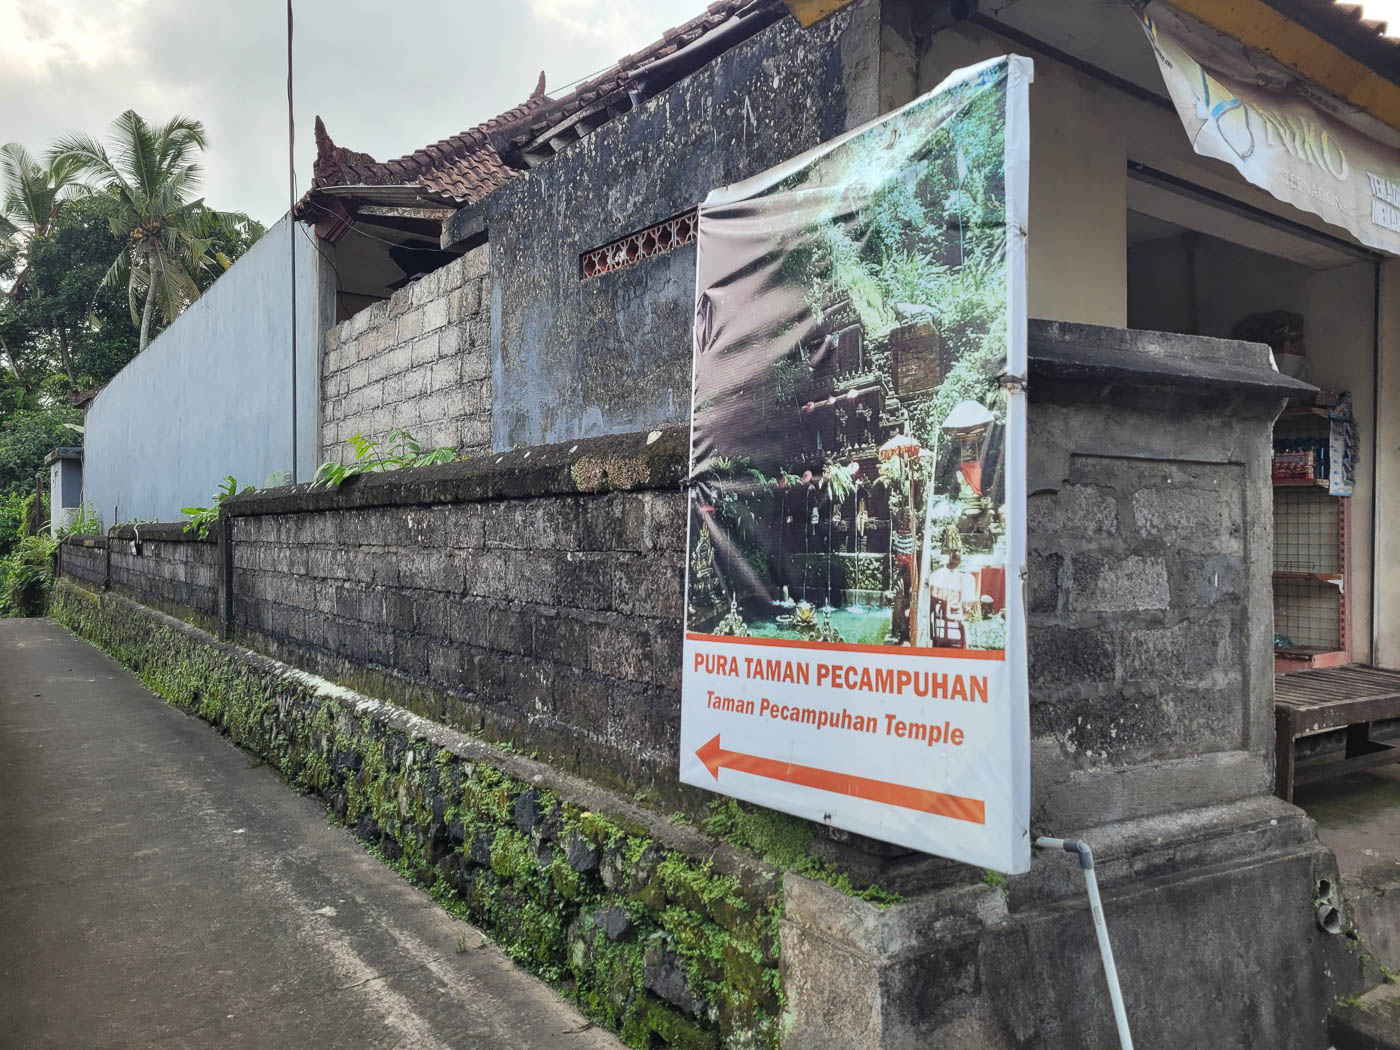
(1310, 702)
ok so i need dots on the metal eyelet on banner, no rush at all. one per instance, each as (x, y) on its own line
(1009, 381)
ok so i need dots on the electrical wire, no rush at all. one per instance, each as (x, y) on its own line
(291, 233)
(315, 242)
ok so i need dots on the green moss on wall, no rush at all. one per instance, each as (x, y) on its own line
(649, 941)
(783, 841)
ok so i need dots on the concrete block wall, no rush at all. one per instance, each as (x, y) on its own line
(537, 595)
(418, 361)
(1149, 592)
(1136, 608)
(552, 621)
(85, 558)
(162, 566)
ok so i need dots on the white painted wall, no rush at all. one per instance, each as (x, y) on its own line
(1388, 472)
(1340, 321)
(212, 394)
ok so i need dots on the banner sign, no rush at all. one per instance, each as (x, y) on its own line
(855, 634)
(1279, 141)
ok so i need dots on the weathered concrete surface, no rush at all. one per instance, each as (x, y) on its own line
(157, 890)
(1358, 816)
(1149, 547)
(576, 358)
(1212, 917)
(1372, 1023)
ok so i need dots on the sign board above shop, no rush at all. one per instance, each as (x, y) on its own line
(855, 631)
(1278, 140)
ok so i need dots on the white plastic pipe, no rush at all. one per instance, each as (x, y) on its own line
(1110, 969)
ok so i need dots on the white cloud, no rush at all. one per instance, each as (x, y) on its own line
(386, 78)
(40, 39)
(599, 19)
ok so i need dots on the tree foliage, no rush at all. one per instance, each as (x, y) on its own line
(31, 196)
(90, 271)
(26, 437)
(168, 236)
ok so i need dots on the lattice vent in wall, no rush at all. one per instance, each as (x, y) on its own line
(654, 240)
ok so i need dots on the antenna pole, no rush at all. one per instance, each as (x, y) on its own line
(292, 230)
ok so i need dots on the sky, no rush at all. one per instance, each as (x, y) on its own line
(387, 78)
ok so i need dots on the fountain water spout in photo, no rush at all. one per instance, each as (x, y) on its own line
(826, 605)
(924, 594)
(806, 538)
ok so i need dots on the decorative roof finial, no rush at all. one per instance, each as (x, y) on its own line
(539, 87)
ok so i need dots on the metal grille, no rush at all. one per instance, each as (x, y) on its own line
(1308, 613)
(1307, 531)
(654, 240)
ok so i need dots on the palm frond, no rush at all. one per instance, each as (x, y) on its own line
(141, 152)
(175, 288)
(25, 187)
(179, 138)
(152, 171)
(135, 278)
(83, 155)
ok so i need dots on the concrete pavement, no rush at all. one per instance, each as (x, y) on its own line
(160, 889)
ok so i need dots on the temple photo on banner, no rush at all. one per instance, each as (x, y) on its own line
(848, 481)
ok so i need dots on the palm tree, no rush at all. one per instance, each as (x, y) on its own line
(152, 172)
(30, 198)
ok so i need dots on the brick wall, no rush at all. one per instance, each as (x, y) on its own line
(419, 361)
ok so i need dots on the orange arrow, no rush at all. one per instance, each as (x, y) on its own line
(955, 806)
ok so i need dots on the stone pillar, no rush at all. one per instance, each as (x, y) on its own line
(1151, 692)
(65, 486)
(224, 575)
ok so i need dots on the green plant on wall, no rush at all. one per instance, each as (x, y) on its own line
(200, 518)
(398, 450)
(87, 522)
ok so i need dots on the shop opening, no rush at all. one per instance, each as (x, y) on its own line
(1312, 298)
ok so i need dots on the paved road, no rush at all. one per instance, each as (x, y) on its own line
(158, 889)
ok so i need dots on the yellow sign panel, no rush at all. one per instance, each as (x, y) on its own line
(1282, 143)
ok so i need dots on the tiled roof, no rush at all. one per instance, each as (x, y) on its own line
(460, 168)
(1343, 24)
(1355, 12)
(464, 168)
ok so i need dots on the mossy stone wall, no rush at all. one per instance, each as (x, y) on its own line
(670, 947)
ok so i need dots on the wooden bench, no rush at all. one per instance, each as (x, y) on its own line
(1311, 702)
